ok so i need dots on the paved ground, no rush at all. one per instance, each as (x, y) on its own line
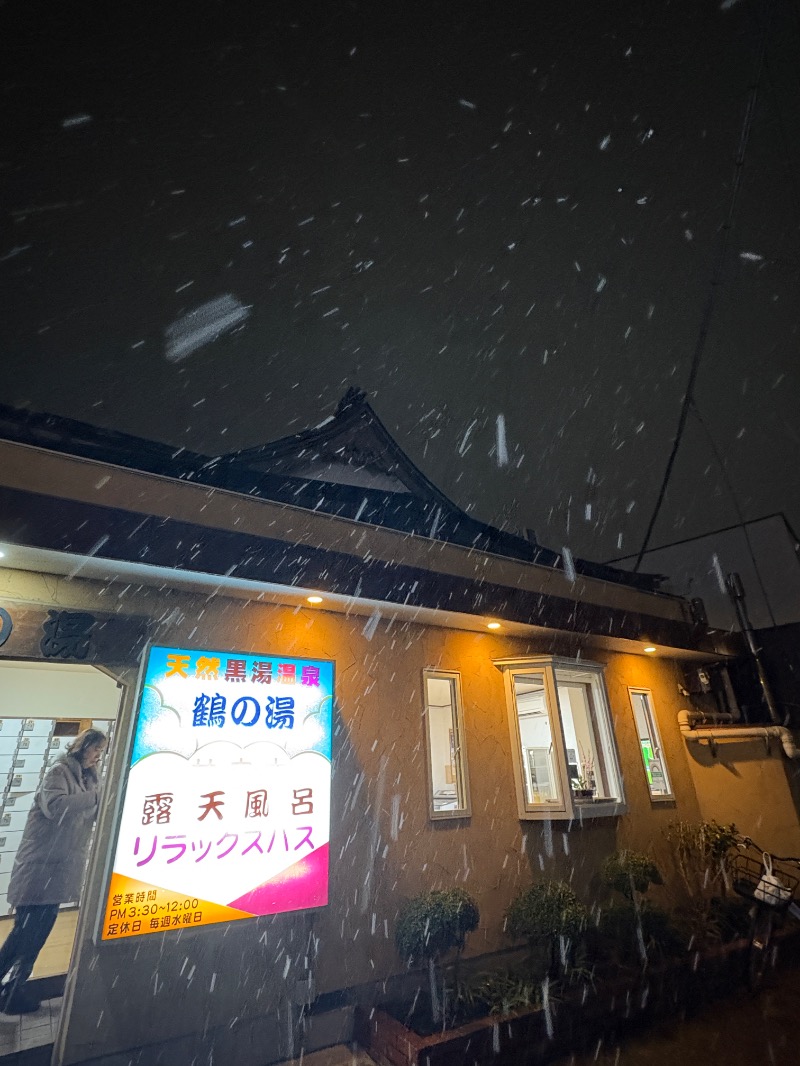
(30, 1030)
(745, 1030)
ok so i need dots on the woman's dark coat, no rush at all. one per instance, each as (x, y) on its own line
(52, 854)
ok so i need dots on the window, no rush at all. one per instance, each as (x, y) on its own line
(655, 767)
(448, 786)
(565, 756)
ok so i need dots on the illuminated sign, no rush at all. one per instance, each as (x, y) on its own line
(226, 810)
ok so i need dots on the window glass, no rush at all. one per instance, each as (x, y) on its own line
(565, 757)
(536, 739)
(650, 745)
(590, 765)
(448, 786)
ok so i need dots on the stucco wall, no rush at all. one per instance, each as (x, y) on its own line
(383, 847)
(754, 787)
(493, 854)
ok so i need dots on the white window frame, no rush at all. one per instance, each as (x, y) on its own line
(461, 768)
(530, 756)
(658, 743)
(582, 672)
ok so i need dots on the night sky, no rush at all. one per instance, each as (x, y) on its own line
(469, 210)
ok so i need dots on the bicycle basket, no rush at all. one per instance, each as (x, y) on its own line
(748, 882)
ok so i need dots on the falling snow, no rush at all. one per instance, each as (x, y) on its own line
(203, 325)
(75, 120)
(501, 448)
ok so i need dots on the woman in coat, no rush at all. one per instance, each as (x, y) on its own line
(49, 866)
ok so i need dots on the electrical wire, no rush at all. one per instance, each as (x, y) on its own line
(716, 280)
(735, 501)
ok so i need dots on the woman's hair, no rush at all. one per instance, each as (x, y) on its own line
(85, 740)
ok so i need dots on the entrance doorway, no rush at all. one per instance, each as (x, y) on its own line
(43, 707)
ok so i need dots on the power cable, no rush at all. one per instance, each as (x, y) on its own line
(735, 501)
(716, 280)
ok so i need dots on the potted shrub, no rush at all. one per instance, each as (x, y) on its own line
(634, 928)
(702, 852)
(584, 786)
(547, 914)
(429, 927)
(631, 873)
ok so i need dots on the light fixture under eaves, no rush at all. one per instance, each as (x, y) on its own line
(493, 625)
(649, 649)
(314, 599)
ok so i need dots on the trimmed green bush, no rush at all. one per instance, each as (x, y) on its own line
(431, 925)
(544, 914)
(630, 872)
(637, 934)
(434, 923)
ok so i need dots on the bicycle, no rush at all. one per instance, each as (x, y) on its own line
(771, 891)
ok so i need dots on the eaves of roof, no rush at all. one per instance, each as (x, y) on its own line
(430, 513)
(68, 504)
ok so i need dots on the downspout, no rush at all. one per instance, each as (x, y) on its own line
(736, 593)
(692, 727)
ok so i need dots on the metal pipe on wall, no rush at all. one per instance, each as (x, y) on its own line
(692, 730)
